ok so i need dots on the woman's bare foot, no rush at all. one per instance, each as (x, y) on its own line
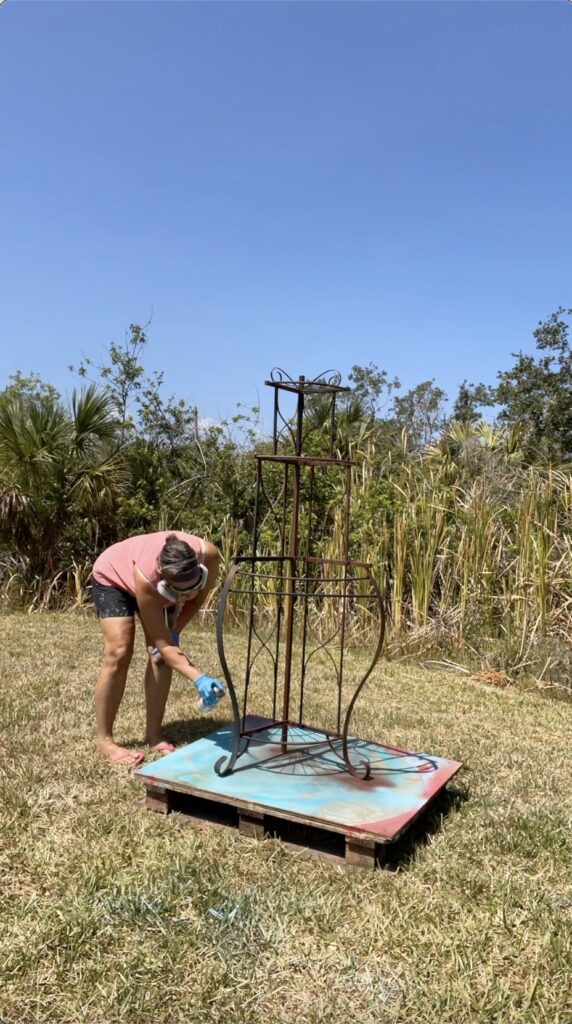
(119, 755)
(162, 747)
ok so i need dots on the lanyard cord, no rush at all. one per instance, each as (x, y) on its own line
(177, 608)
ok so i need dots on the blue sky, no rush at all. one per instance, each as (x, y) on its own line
(308, 185)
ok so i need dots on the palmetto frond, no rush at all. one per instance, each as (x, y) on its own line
(55, 463)
(353, 422)
(32, 436)
(93, 422)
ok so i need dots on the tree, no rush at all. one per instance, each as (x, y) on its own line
(470, 399)
(537, 391)
(123, 376)
(369, 385)
(28, 388)
(420, 413)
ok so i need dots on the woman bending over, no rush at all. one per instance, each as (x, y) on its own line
(164, 578)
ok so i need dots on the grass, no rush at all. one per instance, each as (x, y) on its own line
(113, 915)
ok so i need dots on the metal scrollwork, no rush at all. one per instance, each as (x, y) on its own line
(276, 593)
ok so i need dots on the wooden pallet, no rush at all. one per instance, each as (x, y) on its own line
(304, 796)
(296, 832)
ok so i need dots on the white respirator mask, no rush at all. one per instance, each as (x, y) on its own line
(176, 596)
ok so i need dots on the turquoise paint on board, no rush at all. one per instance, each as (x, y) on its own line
(310, 779)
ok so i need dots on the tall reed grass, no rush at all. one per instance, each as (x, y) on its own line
(472, 557)
(488, 555)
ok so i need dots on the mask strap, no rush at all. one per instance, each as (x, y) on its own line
(169, 595)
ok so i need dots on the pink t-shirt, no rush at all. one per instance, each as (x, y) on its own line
(114, 567)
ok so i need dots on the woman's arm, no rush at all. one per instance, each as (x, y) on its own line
(156, 630)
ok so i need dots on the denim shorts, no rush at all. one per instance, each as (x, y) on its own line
(112, 602)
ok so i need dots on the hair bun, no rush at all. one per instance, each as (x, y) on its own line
(177, 560)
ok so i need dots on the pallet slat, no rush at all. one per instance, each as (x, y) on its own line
(302, 835)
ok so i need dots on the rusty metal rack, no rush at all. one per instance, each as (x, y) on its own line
(309, 607)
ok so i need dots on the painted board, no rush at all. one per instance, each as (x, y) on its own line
(309, 782)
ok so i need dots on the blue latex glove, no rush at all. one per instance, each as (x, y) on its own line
(210, 692)
(174, 641)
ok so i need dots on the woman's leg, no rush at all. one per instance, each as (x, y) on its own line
(118, 636)
(157, 685)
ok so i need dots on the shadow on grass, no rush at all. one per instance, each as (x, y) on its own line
(400, 855)
(179, 733)
(186, 730)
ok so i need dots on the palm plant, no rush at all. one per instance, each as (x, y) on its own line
(60, 470)
(354, 424)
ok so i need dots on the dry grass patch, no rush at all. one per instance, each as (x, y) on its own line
(113, 915)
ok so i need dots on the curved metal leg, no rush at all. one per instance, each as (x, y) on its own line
(225, 764)
(363, 769)
(240, 744)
